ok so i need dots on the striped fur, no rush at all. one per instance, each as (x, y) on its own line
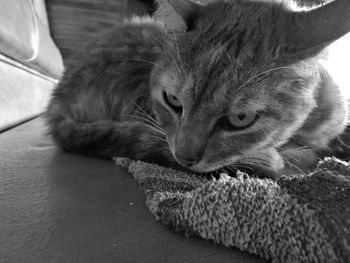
(110, 101)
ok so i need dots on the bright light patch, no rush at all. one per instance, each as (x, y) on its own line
(338, 63)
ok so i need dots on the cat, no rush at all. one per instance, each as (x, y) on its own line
(207, 88)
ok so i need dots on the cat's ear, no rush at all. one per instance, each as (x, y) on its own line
(177, 15)
(319, 27)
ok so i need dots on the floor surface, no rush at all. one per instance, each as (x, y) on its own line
(61, 207)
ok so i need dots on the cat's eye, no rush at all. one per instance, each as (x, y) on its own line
(237, 121)
(241, 120)
(172, 101)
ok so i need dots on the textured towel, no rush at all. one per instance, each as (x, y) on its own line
(300, 218)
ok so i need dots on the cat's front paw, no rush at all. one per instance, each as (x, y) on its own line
(266, 163)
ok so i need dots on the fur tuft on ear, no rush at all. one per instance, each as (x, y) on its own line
(177, 15)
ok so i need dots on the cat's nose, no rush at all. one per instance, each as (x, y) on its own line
(187, 161)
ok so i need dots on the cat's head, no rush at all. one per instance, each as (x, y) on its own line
(236, 80)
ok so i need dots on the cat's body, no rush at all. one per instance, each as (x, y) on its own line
(96, 109)
(225, 92)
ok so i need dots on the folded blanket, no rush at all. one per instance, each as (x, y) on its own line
(299, 218)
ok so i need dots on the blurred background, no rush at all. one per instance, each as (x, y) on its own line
(37, 38)
(74, 22)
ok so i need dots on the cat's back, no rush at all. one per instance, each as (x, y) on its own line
(138, 37)
(102, 79)
(115, 65)
(120, 47)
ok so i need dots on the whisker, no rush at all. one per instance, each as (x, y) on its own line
(293, 165)
(296, 150)
(154, 129)
(289, 152)
(144, 124)
(167, 50)
(262, 73)
(142, 117)
(154, 125)
(147, 116)
(229, 57)
(139, 107)
(150, 121)
(158, 138)
(245, 167)
(260, 163)
(225, 168)
(178, 52)
(289, 156)
(144, 113)
(233, 168)
(257, 160)
(142, 60)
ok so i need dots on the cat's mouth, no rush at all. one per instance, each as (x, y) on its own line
(232, 166)
(204, 166)
(231, 170)
(264, 162)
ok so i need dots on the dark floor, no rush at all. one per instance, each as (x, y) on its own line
(60, 207)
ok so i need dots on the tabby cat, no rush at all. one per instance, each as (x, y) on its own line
(206, 88)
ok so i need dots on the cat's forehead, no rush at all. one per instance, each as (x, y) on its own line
(232, 42)
(232, 36)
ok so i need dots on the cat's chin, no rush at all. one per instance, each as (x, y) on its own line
(231, 168)
(256, 171)
(205, 167)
